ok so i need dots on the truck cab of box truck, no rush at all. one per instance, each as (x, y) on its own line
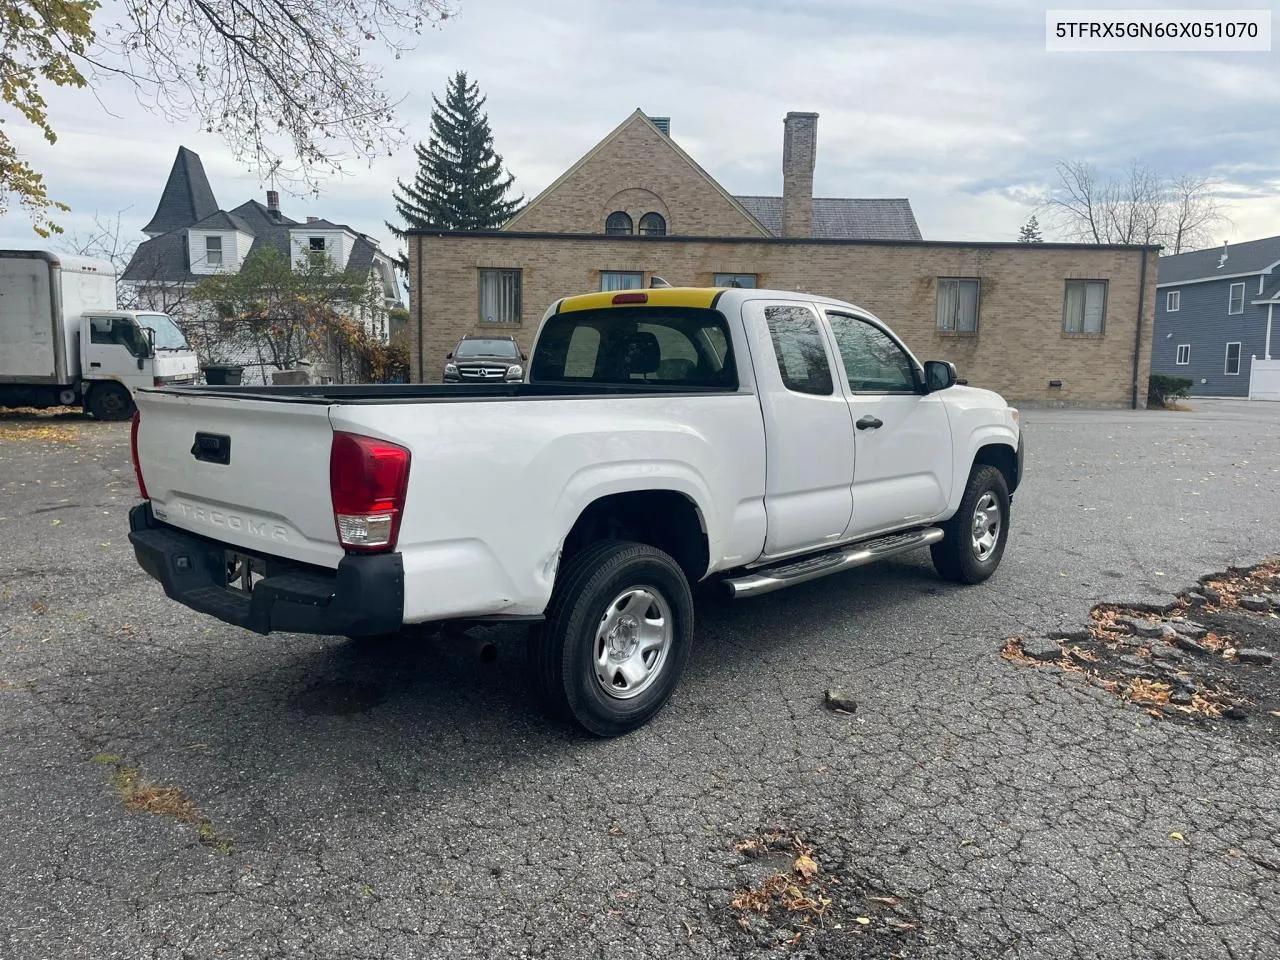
(63, 341)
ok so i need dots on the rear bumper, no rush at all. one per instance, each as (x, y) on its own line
(364, 595)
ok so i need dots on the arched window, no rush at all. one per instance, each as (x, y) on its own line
(618, 224)
(652, 225)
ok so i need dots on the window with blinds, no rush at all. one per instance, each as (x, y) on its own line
(1084, 307)
(500, 296)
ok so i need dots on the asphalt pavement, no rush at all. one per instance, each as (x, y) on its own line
(323, 798)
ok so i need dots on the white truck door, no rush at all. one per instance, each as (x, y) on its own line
(808, 432)
(111, 347)
(902, 437)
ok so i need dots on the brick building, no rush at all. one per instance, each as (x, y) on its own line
(1041, 323)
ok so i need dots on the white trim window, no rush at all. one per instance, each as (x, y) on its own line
(621, 280)
(1232, 365)
(1235, 298)
(957, 307)
(1184, 354)
(213, 251)
(1084, 308)
(1173, 301)
(500, 296)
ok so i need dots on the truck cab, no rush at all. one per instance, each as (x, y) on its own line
(132, 349)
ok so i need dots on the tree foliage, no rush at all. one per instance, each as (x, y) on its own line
(1163, 390)
(1141, 206)
(282, 312)
(460, 183)
(288, 84)
(1030, 232)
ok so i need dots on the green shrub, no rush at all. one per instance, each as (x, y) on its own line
(1161, 390)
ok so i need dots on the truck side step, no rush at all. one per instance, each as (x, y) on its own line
(790, 572)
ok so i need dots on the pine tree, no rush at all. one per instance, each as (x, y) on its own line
(1030, 232)
(460, 183)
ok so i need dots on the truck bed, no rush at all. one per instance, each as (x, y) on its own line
(364, 393)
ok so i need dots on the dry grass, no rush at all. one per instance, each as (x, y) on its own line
(140, 794)
(68, 433)
(800, 890)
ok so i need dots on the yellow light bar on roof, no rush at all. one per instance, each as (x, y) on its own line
(656, 297)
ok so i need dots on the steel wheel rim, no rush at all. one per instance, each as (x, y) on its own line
(633, 642)
(985, 529)
(112, 402)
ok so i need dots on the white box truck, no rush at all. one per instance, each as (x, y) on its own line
(63, 341)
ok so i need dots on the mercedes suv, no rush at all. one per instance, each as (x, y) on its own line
(484, 360)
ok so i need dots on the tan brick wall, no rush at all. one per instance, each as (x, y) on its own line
(1019, 347)
(638, 162)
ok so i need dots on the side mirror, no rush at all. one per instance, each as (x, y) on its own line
(939, 374)
(449, 355)
(151, 340)
(523, 357)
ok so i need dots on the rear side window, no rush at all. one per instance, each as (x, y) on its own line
(664, 346)
(797, 343)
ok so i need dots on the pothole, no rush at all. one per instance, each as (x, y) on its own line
(1208, 657)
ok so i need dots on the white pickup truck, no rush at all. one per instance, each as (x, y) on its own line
(660, 437)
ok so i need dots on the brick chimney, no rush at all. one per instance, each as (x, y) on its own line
(273, 204)
(799, 149)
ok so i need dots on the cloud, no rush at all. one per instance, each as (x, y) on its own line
(955, 105)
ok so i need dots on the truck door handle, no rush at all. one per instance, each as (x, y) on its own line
(870, 423)
(212, 448)
(94, 364)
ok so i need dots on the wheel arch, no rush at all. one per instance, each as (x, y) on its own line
(661, 517)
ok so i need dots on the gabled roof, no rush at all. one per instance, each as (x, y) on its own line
(223, 221)
(320, 225)
(1253, 257)
(187, 196)
(844, 218)
(638, 116)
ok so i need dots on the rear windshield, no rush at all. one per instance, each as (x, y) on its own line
(487, 348)
(665, 346)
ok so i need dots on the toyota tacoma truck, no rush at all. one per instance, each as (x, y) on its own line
(659, 438)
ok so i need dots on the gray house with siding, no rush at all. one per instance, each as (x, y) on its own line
(1215, 311)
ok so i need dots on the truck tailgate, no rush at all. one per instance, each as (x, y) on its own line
(249, 472)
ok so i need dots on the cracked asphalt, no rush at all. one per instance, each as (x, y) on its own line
(407, 800)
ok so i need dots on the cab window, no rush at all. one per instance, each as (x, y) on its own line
(120, 331)
(873, 361)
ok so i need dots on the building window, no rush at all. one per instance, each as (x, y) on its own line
(1173, 301)
(1084, 308)
(1235, 299)
(499, 296)
(317, 244)
(1184, 354)
(958, 305)
(1232, 366)
(618, 224)
(736, 280)
(653, 225)
(213, 251)
(797, 343)
(621, 280)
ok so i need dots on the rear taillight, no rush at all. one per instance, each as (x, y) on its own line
(367, 483)
(133, 452)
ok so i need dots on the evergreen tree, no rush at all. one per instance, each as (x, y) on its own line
(460, 183)
(1030, 232)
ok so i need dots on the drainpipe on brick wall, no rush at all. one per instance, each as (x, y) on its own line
(1137, 337)
(1266, 354)
(417, 307)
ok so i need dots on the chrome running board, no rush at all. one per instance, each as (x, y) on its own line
(791, 572)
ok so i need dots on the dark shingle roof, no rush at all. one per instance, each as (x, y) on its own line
(187, 196)
(843, 218)
(1252, 257)
(222, 221)
(361, 257)
(324, 225)
(160, 260)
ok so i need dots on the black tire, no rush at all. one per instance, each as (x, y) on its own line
(110, 401)
(563, 649)
(956, 557)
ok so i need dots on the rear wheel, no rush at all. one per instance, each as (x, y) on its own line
(616, 638)
(110, 401)
(976, 535)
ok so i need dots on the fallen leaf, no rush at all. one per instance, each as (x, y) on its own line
(56, 522)
(862, 920)
(806, 866)
(1177, 836)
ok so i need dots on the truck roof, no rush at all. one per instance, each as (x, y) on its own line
(703, 297)
(69, 262)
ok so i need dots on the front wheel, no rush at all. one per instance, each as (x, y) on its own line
(975, 537)
(616, 638)
(110, 401)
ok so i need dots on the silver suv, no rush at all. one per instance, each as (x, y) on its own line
(484, 360)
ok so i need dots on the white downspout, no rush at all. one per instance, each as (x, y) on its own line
(1266, 353)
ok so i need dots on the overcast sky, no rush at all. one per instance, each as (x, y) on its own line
(954, 105)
